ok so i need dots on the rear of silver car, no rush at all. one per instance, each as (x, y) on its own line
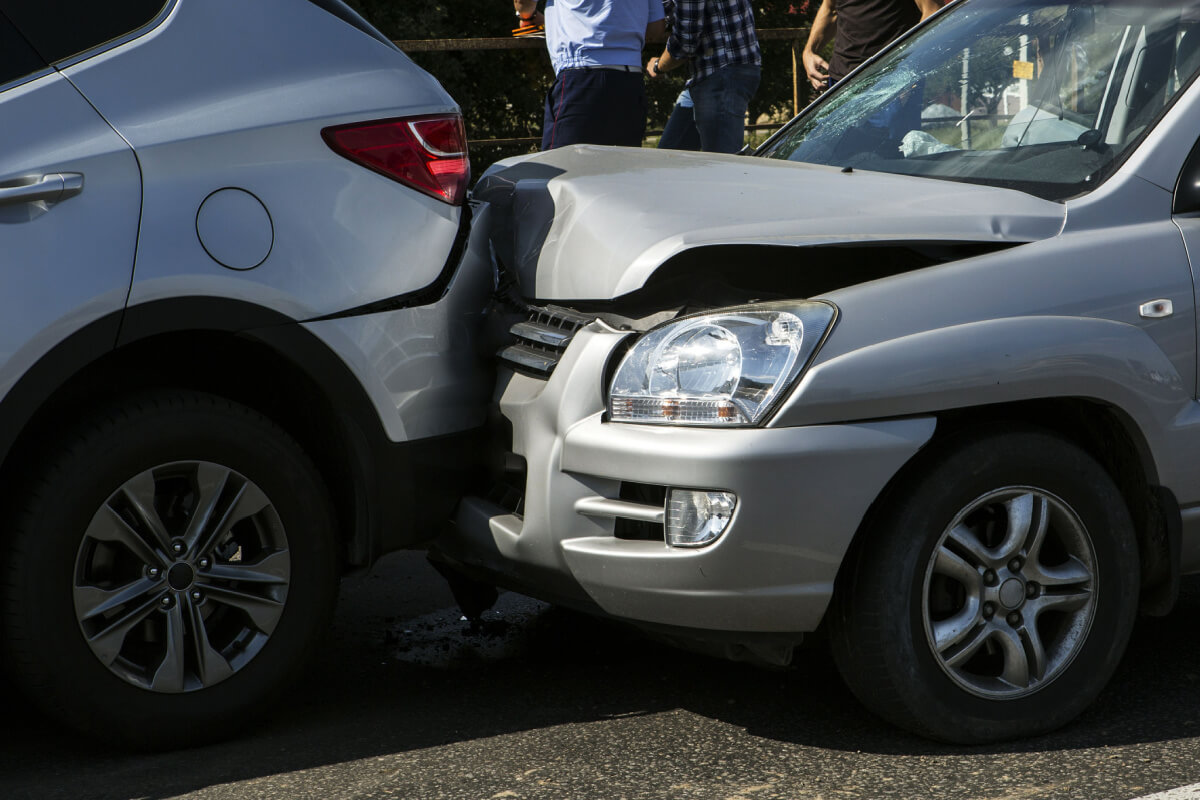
(238, 357)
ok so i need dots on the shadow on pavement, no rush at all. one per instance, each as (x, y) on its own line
(369, 695)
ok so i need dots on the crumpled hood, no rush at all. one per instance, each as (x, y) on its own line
(589, 222)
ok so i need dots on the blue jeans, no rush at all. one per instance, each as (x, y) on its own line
(717, 121)
(680, 132)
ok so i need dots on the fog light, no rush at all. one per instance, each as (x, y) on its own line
(696, 518)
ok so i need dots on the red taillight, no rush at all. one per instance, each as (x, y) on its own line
(426, 153)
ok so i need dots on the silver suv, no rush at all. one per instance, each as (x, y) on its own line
(236, 349)
(922, 374)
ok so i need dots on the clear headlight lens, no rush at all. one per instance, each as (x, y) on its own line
(723, 368)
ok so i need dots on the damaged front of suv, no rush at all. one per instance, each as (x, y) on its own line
(923, 371)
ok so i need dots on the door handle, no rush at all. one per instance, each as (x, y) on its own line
(49, 188)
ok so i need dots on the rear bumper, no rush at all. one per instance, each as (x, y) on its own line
(411, 390)
(420, 362)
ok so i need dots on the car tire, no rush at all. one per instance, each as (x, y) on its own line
(171, 568)
(992, 592)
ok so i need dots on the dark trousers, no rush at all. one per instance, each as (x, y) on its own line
(595, 106)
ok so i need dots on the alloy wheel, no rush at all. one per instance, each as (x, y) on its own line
(1010, 593)
(181, 577)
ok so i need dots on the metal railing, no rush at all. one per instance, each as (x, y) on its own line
(797, 37)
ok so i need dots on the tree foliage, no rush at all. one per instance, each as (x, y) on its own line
(501, 91)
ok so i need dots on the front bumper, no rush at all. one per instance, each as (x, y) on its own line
(802, 493)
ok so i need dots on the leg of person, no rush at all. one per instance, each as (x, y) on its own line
(721, 101)
(554, 105)
(680, 132)
(595, 106)
(620, 109)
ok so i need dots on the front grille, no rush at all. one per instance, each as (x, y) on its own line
(542, 339)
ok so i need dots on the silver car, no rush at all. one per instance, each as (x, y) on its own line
(236, 348)
(922, 373)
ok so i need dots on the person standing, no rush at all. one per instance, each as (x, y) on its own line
(860, 29)
(717, 39)
(598, 95)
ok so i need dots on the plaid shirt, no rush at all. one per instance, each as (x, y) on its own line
(712, 34)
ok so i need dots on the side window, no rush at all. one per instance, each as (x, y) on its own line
(65, 28)
(17, 58)
(348, 15)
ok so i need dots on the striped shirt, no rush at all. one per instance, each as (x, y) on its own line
(712, 34)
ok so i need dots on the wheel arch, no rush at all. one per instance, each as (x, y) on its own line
(1109, 436)
(248, 354)
(923, 665)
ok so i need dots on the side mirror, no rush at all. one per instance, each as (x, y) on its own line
(1187, 188)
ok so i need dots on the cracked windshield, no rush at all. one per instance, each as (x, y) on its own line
(1043, 97)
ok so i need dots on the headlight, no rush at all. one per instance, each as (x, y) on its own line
(723, 368)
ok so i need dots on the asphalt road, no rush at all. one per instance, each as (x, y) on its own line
(407, 703)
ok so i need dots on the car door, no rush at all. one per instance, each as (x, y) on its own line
(1186, 214)
(70, 198)
(1185, 208)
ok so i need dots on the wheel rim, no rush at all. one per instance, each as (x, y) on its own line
(181, 577)
(1010, 593)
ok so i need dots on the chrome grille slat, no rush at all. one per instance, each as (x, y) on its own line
(542, 334)
(528, 358)
(542, 339)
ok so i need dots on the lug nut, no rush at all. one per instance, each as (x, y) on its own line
(989, 610)
(197, 596)
(205, 563)
(1014, 619)
(1015, 565)
(177, 547)
(989, 578)
(1031, 589)
(167, 602)
(154, 572)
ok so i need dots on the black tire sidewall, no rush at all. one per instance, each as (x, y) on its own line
(896, 559)
(80, 689)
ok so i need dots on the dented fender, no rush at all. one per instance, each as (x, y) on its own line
(1000, 361)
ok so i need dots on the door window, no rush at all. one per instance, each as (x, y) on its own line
(68, 27)
(17, 58)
